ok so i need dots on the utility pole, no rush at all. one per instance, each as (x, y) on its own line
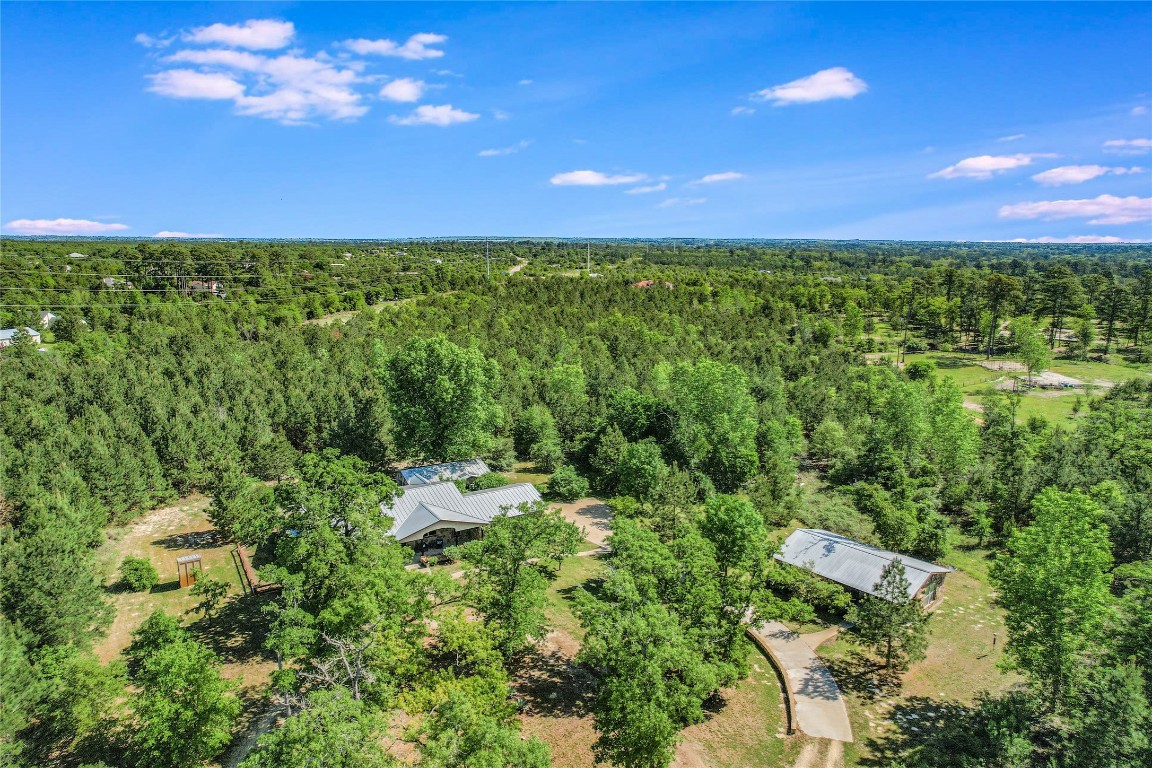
(589, 258)
(488, 258)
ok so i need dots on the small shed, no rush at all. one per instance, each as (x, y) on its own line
(859, 566)
(438, 473)
(188, 569)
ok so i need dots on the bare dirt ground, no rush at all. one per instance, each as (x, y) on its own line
(592, 515)
(1045, 379)
(518, 266)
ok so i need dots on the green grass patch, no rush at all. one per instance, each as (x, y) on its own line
(574, 572)
(746, 727)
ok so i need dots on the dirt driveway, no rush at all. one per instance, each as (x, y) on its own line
(593, 515)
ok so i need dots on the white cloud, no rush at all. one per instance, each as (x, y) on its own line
(743, 111)
(1128, 146)
(678, 201)
(595, 179)
(834, 83)
(414, 49)
(62, 227)
(148, 41)
(715, 178)
(525, 82)
(1013, 137)
(504, 150)
(190, 84)
(1075, 174)
(403, 89)
(1137, 111)
(1105, 209)
(1073, 239)
(442, 115)
(984, 166)
(290, 88)
(645, 190)
(182, 235)
(254, 34)
(499, 114)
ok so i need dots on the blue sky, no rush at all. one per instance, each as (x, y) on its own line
(930, 121)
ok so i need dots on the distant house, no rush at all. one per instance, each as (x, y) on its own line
(859, 566)
(48, 319)
(215, 287)
(8, 336)
(438, 473)
(113, 282)
(651, 283)
(434, 516)
(75, 255)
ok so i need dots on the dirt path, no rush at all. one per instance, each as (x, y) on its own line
(593, 515)
(247, 741)
(822, 753)
(518, 266)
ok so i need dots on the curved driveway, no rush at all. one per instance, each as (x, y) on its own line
(819, 706)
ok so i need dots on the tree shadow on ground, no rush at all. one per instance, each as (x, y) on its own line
(209, 539)
(916, 721)
(862, 675)
(236, 632)
(552, 684)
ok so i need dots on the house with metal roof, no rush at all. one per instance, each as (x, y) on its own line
(8, 336)
(859, 566)
(438, 473)
(434, 516)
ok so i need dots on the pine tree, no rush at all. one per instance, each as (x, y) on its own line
(891, 621)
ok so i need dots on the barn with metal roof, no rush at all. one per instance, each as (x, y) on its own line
(857, 565)
(437, 473)
(439, 515)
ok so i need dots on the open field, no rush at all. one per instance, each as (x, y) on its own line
(161, 536)
(978, 377)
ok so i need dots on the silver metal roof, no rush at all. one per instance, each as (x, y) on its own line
(438, 505)
(452, 470)
(850, 562)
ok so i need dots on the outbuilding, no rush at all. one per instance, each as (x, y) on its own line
(859, 566)
(466, 469)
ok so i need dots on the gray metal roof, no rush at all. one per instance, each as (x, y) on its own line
(424, 507)
(850, 562)
(10, 333)
(452, 470)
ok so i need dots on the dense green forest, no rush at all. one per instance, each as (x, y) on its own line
(691, 403)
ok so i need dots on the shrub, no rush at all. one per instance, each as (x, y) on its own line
(138, 573)
(566, 485)
(490, 480)
(921, 369)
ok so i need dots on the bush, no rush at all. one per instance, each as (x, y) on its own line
(490, 480)
(139, 574)
(921, 369)
(566, 485)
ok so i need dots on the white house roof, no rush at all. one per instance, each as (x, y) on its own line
(436, 505)
(850, 562)
(452, 470)
(6, 334)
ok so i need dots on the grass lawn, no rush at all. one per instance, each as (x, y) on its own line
(524, 472)
(961, 663)
(161, 536)
(574, 572)
(747, 727)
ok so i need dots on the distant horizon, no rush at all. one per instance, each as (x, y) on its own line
(543, 238)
